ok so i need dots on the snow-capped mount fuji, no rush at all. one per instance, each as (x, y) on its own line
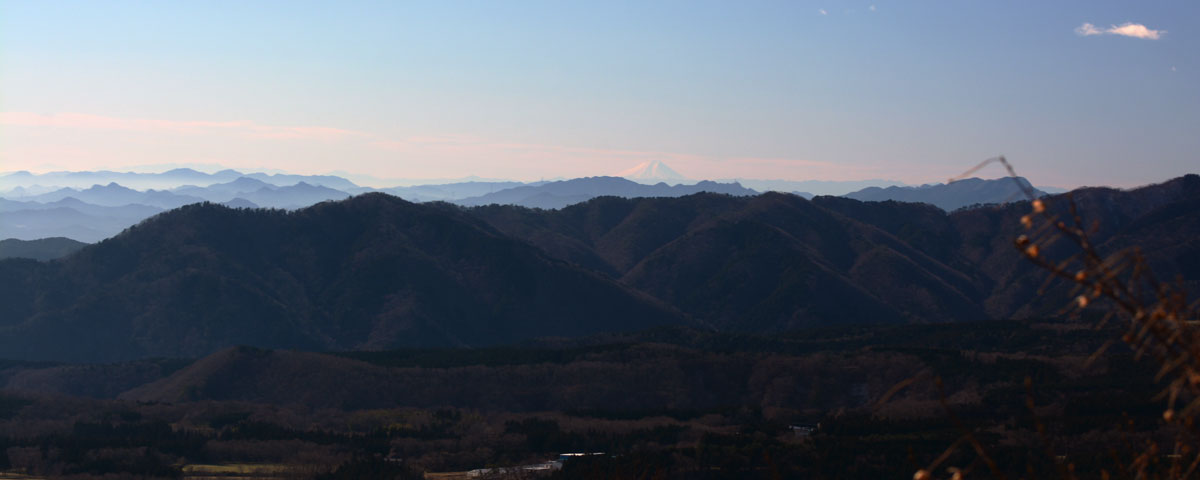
(653, 172)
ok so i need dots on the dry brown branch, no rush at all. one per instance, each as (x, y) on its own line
(1161, 322)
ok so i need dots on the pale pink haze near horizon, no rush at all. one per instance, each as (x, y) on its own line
(82, 141)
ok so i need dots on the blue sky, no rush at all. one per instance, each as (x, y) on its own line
(912, 91)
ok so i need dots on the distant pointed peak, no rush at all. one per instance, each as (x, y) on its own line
(652, 170)
(112, 186)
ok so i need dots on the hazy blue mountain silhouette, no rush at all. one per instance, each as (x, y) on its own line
(263, 194)
(447, 191)
(223, 192)
(127, 211)
(141, 181)
(68, 217)
(568, 192)
(284, 179)
(295, 196)
(165, 180)
(114, 195)
(21, 191)
(811, 187)
(953, 195)
(240, 203)
(54, 222)
(101, 211)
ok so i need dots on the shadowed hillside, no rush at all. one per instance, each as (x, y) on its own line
(41, 249)
(371, 272)
(669, 368)
(377, 272)
(766, 263)
(776, 261)
(692, 402)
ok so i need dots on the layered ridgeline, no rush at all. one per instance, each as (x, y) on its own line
(101, 211)
(776, 262)
(376, 272)
(371, 272)
(31, 211)
(953, 195)
(58, 204)
(553, 195)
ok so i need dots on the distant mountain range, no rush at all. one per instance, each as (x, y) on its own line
(68, 217)
(165, 180)
(114, 195)
(260, 193)
(447, 192)
(569, 192)
(953, 195)
(810, 188)
(102, 210)
(377, 272)
(34, 208)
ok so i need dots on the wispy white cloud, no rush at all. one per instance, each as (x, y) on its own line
(1087, 29)
(1128, 29)
(1137, 30)
(822, 11)
(871, 8)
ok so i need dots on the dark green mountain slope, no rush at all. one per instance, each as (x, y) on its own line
(669, 368)
(41, 249)
(371, 272)
(780, 262)
(1115, 218)
(377, 272)
(775, 261)
(765, 263)
(609, 234)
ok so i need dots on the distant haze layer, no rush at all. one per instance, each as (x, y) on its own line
(90, 206)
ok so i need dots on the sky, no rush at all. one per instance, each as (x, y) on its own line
(1071, 92)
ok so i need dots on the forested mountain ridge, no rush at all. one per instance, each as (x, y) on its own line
(370, 272)
(42, 249)
(924, 264)
(766, 263)
(377, 272)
